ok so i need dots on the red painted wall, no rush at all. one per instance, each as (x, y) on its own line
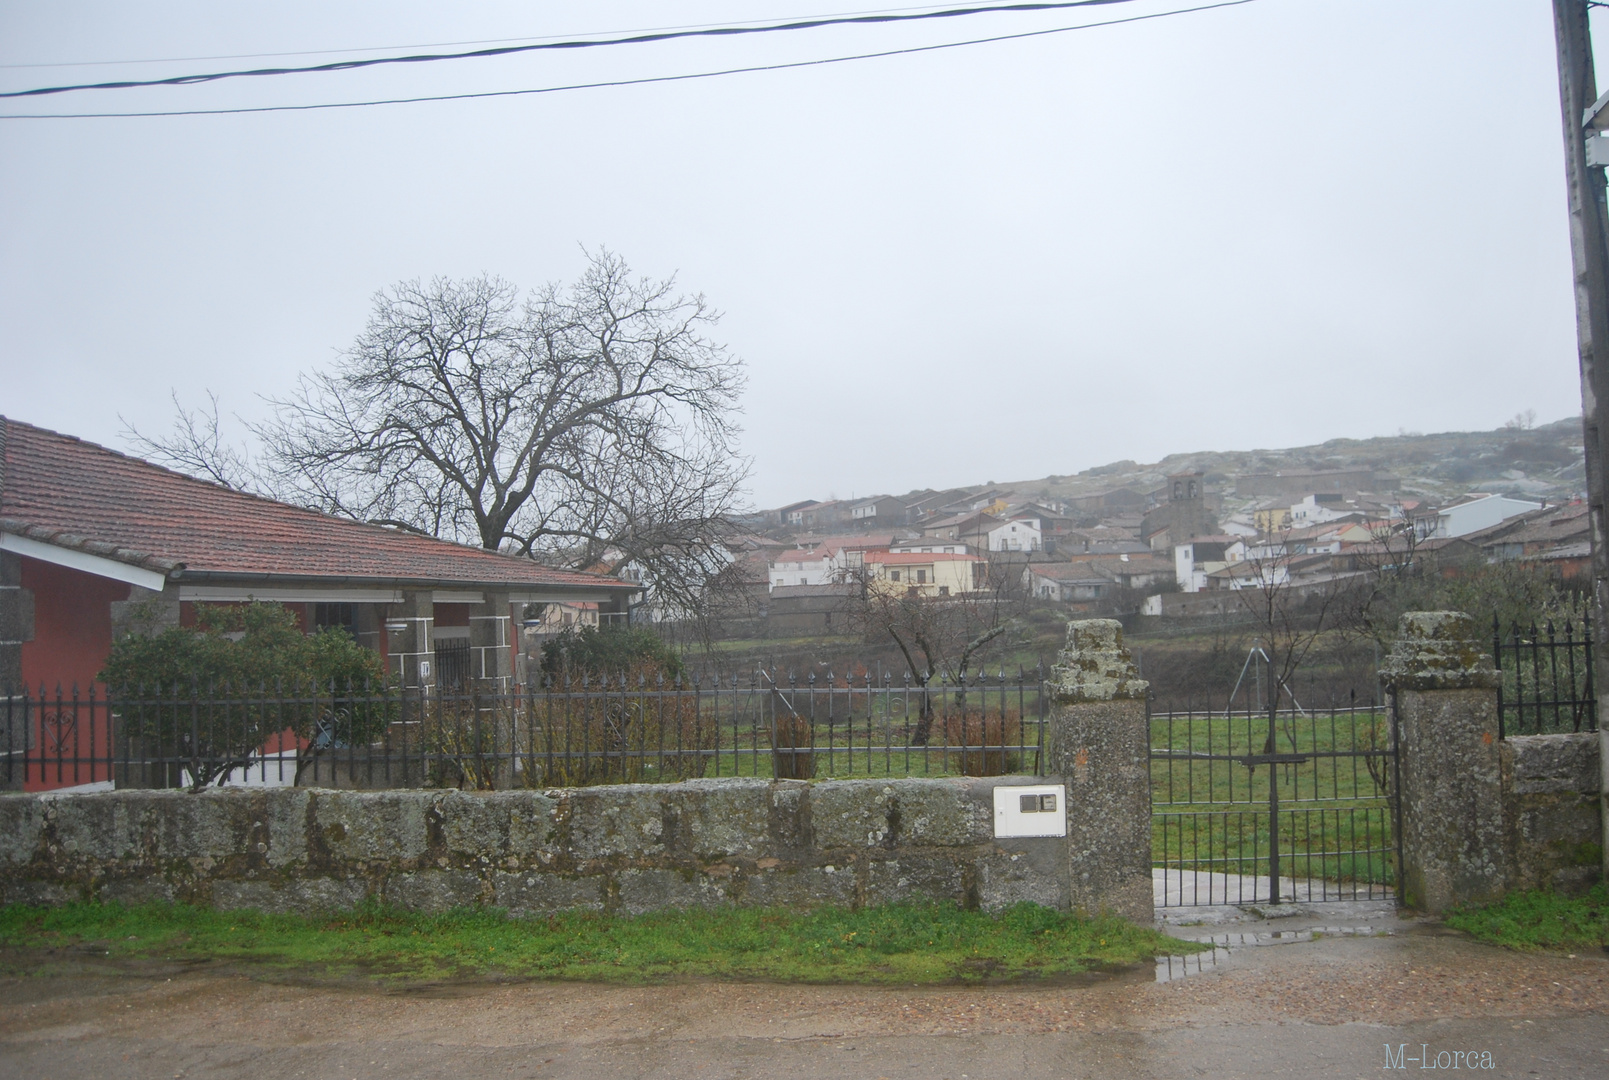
(72, 638)
(72, 626)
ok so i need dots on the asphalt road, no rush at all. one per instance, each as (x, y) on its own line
(1296, 1005)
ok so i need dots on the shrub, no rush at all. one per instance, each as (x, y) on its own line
(629, 728)
(215, 693)
(977, 741)
(596, 653)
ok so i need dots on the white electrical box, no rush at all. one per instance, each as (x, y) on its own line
(1030, 810)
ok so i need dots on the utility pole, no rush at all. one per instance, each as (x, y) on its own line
(1586, 152)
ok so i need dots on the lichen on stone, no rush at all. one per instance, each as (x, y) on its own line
(1437, 650)
(1094, 666)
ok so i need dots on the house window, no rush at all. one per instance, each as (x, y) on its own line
(944, 590)
(802, 581)
(921, 577)
(893, 575)
(343, 615)
(912, 590)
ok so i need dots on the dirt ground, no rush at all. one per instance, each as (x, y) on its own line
(1320, 1006)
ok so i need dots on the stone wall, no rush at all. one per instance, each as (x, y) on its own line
(1553, 827)
(1482, 816)
(626, 849)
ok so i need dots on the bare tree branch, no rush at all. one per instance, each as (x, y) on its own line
(571, 425)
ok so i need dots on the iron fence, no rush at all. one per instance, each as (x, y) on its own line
(577, 733)
(1546, 682)
(1255, 806)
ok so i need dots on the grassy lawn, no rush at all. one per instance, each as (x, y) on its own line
(1541, 920)
(896, 944)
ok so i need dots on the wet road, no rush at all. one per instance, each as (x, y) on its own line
(1300, 1004)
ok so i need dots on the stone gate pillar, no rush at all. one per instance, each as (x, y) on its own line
(1098, 739)
(1450, 805)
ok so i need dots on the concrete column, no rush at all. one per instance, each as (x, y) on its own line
(18, 728)
(491, 643)
(1450, 805)
(412, 650)
(1098, 741)
(16, 621)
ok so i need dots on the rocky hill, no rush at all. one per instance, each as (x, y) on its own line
(1542, 462)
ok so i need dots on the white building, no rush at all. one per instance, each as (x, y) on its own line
(1476, 512)
(800, 567)
(1317, 509)
(1018, 534)
(1195, 559)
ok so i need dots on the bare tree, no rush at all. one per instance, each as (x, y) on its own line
(939, 637)
(578, 424)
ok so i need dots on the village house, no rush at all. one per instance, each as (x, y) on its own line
(1469, 514)
(1017, 534)
(926, 573)
(970, 528)
(878, 511)
(1536, 535)
(817, 566)
(94, 544)
(829, 560)
(1063, 582)
(1195, 559)
(1137, 572)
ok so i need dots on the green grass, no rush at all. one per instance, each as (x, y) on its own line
(1541, 920)
(909, 944)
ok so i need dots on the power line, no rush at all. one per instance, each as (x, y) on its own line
(511, 50)
(625, 82)
(430, 44)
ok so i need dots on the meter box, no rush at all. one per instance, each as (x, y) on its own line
(1030, 810)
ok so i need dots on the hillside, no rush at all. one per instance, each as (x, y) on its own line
(1543, 462)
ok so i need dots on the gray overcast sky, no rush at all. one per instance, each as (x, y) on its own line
(1265, 225)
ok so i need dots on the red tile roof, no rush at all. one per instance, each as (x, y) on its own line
(64, 491)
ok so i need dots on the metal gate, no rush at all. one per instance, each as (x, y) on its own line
(1266, 807)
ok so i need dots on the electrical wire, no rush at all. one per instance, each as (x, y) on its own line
(437, 44)
(512, 50)
(625, 82)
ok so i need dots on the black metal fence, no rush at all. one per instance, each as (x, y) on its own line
(1547, 683)
(1253, 807)
(571, 734)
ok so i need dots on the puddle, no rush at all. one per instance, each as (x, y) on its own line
(1169, 968)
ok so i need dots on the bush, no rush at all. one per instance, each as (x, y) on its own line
(598, 653)
(978, 741)
(255, 674)
(630, 730)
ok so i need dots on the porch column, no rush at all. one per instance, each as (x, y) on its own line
(16, 623)
(491, 643)
(1098, 741)
(17, 728)
(1450, 804)
(411, 647)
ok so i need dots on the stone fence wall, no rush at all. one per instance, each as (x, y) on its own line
(1553, 829)
(629, 848)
